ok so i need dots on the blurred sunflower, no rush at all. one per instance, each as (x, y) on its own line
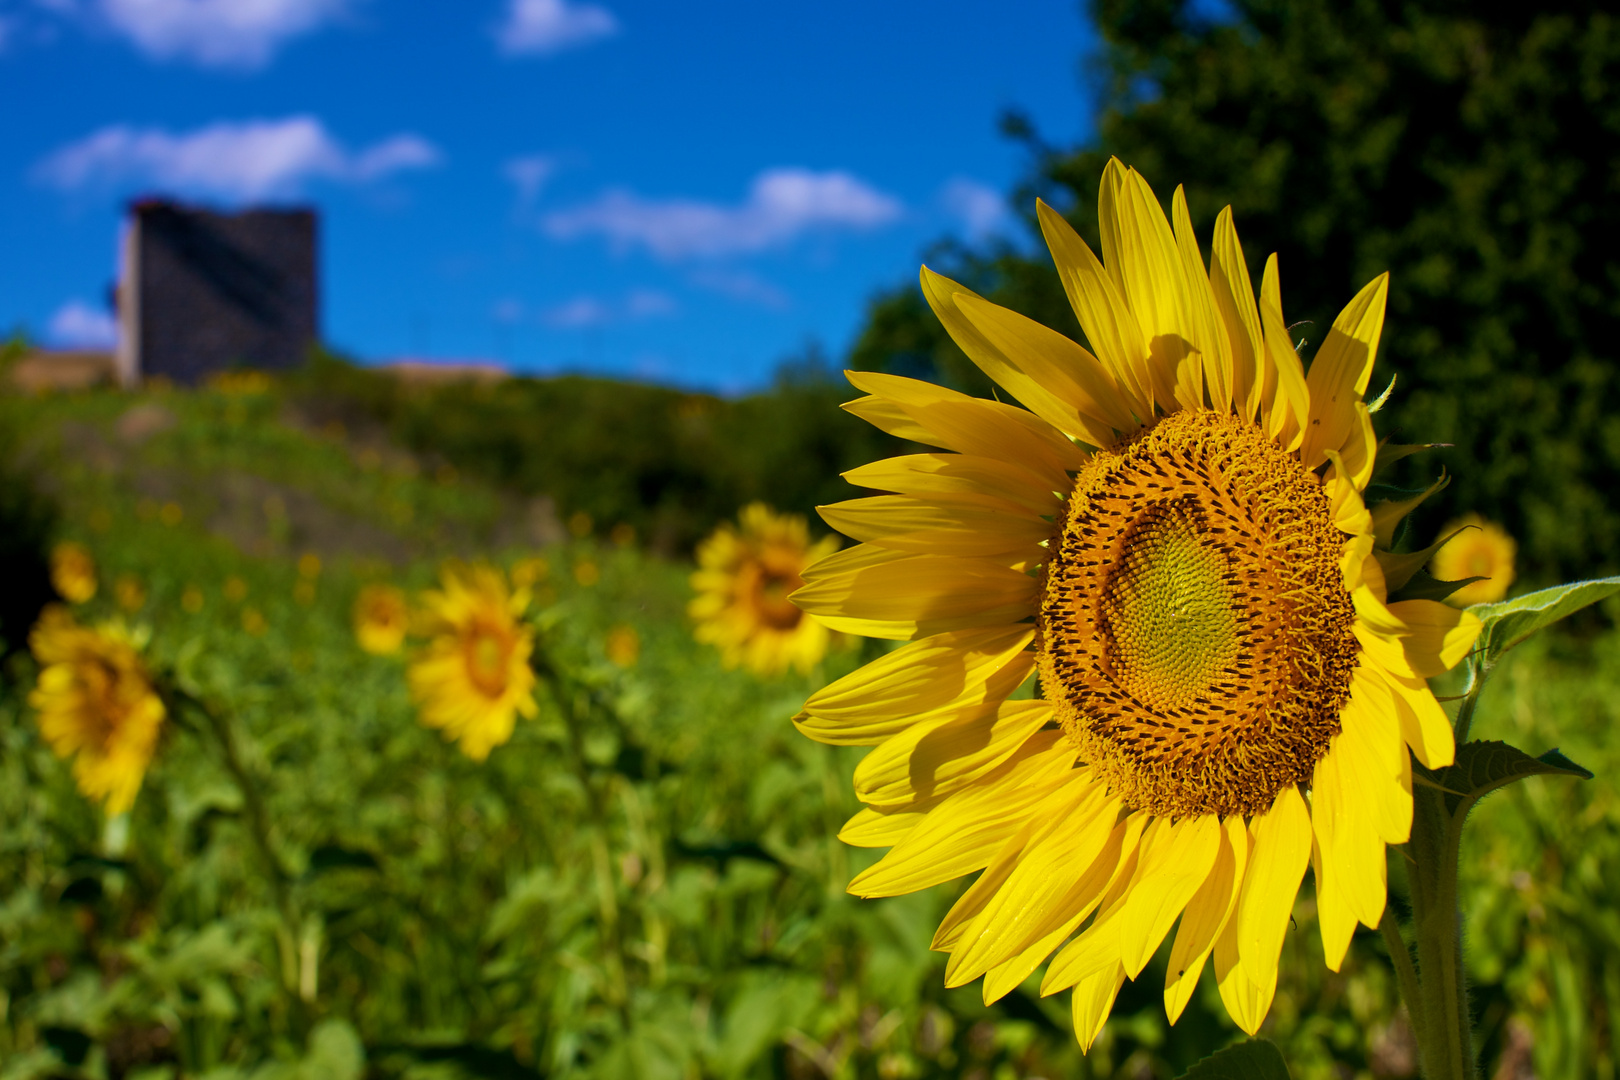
(381, 618)
(73, 572)
(1480, 549)
(1172, 534)
(473, 676)
(743, 581)
(96, 704)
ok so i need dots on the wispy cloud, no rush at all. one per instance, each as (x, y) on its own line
(216, 33)
(587, 311)
(237, 162)
(981, 209)
(742, 285)
(529, 174)
(543, 27)
(782, 205)
(77, 325)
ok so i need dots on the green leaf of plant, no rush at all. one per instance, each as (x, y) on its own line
(1256, 1059)
(1511, 621)
(1483, 766)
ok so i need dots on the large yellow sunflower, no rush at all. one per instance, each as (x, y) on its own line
(743, 581)
(472, 677)
(1171, 535)
(96, 704)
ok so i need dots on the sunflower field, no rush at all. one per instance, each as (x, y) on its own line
(642, 876)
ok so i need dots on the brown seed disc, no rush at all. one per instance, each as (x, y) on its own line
(1195, 631)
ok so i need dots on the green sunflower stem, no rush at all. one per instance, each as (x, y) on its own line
(1437, 993)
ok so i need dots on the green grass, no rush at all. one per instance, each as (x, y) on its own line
(666, 903)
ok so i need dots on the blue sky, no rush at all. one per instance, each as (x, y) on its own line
(686, 193)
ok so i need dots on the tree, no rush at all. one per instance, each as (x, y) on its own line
(1472, 149)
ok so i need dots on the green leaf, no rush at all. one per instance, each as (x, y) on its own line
(1483, 766)
(1511, 621)
(1256, 1059)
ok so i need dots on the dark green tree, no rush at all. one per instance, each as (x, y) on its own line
(1470, 148)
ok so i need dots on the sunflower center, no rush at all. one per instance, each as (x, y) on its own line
(488, 653)
(771, 591)
(1195, 627)
(1167, 612)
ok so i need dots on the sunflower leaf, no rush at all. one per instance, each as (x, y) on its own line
(1257, 1059)
(1511, 621)
(1484, 766)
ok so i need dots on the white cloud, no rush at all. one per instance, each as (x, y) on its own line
(77, 325)
(529, 175)
(217, 33)
(542, 27)
(585, 311)
(981, 209)
(782, 204)
(742, 285)
(238, 162)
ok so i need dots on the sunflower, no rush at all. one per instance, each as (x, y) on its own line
(95, 703)
(380, 619)
(1477, 548)
(743, 581)
(1171, 536)
(73, 572)
(472, 678)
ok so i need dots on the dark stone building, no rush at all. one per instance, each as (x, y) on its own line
(202, 291)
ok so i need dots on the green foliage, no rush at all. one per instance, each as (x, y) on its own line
(1256, 1059)
(1469, 149)
(670, 464)
(1511, 622)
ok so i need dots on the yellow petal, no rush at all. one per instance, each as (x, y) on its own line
(1097, 947)
(1066, 851)
(950, 670)
(1352, 855)
(1207, 914)
(887, 415)
(1174, 862)
(959, 474)
(1424, 724)
(1280, 846)
(1208, 335)
(1234, 300)
(1335, 921)
(878, 828)
(971, 902)
(1285, 412)
(928, 760)
(1100, 306)
(1156, 289)
(963, 525)
(1076, 378)
(971, 425)
(1093, 1001)
(881, 593)
(963, 832)
(1339, 372)
(1438, 637)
